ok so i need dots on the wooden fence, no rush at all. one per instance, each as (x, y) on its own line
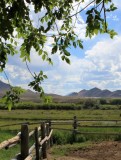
(77, 124)
(42, 138)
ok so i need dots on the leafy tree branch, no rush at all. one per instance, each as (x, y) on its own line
(16, 24)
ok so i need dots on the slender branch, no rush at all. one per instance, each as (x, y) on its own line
(105, 16)
(101, 7)
(77, 4)
(11, 89)
(79, 21)
(98, 4)
(76, 14)
(7, 78)
(57, 27)
(38, 22)
(53, 35)
(29, 69)
(82, 9)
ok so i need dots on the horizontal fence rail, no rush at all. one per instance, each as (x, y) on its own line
(99, 133)
(59, 121)
(10, 142)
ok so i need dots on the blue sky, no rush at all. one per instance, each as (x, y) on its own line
(97, 65)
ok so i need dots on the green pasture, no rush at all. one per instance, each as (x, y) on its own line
(21, 116)
(7, 118)
(60, 114)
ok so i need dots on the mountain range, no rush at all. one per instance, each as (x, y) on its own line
(28, 95)
(4, 86)
(94, 93)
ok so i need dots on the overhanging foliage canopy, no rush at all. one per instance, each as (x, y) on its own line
(16, 23)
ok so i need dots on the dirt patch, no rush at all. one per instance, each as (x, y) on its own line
(66, 158)
(99, 151)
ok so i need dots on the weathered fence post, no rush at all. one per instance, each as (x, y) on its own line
(37, 144)
(51, 138)
(47, 130)
(43, 135)
(74, 128)
(24, 141)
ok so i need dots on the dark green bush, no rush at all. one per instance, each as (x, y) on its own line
(81, 138)
(51, 106)
(109, 107)
(91, 104)
(115, 101)
(103, 101)
(59, 138)
(64, 137)
(118, 138)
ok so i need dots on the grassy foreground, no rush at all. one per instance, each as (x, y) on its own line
(62, 150)
(8, 154)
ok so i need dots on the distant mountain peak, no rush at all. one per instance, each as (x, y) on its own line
(96, 92)
(73, 94)
(95, 88)
(4, 86)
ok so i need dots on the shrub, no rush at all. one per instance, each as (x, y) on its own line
(118, 138)
(64, 137)
(59, 138)
(91, 104)
(56, 106)
(115, 101)
(103, 101)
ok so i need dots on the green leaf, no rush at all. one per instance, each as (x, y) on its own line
(45, 76)
(63, 57)
(96, 31)
(40, 51)
(67, 60)
(43, 57)
(112, 33)
(41, 72)
(54, 49)
(74, 44)
(66, 53)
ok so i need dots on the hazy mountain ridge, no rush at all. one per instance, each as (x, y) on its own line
(94, 92)
(4, 86)
(28, 95)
